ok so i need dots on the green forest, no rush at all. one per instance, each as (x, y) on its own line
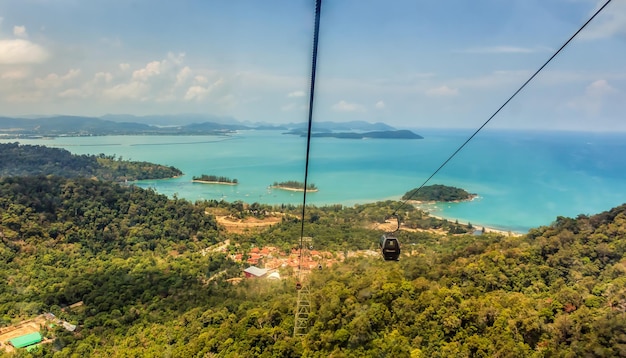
(16, 160)
(437, 192)
(152, 284)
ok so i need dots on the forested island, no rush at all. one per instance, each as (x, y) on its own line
(19, 160)
(388, 134)
(161, 276)
(293, 185)
(214, 179)
(438, 192)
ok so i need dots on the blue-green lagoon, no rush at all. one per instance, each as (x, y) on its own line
(523, 179)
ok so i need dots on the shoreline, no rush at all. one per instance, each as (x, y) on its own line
(423, 205)
(212, 182)
(293, 189)
(419, 202)
(479, 227)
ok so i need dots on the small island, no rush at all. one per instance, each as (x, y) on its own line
(395, 134)
(294, 186)
(438, 192)
(214, 179)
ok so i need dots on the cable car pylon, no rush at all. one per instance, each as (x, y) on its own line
(303, 303)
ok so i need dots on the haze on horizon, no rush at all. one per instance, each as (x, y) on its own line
(415, 64)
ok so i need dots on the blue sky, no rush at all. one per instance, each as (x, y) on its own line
(407, 63)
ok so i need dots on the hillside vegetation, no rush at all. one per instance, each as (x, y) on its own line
(22, 160)
(151, 286)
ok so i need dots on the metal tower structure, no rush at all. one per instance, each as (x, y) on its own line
(303, 305)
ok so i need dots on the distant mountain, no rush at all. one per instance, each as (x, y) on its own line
(171, 120)
(86, 126)
(68, 125)
(359, 126)
(393, 134)
(192, 124)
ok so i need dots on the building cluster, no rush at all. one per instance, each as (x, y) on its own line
(268, 260)
(27, 334)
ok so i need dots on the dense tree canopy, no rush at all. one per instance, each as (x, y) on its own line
(22, 160)
(152, 285)
(437, 192)
(292, 184)
(215, 179)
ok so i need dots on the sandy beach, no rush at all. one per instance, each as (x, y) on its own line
(480, 227)
(293, 189)
(213, 182)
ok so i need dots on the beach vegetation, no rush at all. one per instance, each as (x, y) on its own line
(214, 179)
(292, 184)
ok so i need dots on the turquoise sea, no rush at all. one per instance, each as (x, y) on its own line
(523, 179)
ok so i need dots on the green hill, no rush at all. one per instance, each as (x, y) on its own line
(438, 192)
(138, 262)
(27, 160)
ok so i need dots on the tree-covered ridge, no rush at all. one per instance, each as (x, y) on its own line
(152, 285)
(438, 192)
(25, 160)
(292, 184)
(214, 179)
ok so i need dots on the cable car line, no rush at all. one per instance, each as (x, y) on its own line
(318, 8)
(403, 203)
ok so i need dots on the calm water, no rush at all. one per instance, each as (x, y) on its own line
(523, 179)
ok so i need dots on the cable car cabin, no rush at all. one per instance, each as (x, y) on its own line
(390, 247)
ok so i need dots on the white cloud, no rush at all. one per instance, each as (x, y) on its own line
(199, 93)
(182, 76)
(152, 69)
(380, 105)
(196, 93)
(15, 74)
(200, 80)
(105, 77)
(343, 106)
(20, 51)
(73, 93)
(600, 88)
(442, 91)
(610, 22)
(177, 59)
(20, 31)
(124, 66)
(597, 94)
(133, 90)
(53, 80)
(296, 94)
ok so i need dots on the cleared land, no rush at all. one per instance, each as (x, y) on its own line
(239, 226)
(20, 329)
